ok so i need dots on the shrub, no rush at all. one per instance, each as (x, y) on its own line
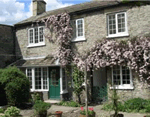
(37, 96)
(16, 86)
(41, 107)
(2, 110)
(69, 103)
(12, 112)
(131, 105)
(135, 104)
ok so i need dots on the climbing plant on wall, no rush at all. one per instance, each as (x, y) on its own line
(134, 53)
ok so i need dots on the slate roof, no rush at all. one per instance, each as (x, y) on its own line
(72, 9)
(48, 61)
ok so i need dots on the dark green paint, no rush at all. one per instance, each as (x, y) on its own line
(54, 83)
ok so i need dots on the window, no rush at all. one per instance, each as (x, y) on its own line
(78, 29)
(36, 36)
(117, 24)
(64, 80)
(122, 77)
(38, 78)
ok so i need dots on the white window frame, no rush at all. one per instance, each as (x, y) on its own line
(61, 82)
(79, 38)
(118, 34)
(33, 80)
(122, 86)
(39, 43)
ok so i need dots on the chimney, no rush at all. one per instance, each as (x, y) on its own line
(39, 7)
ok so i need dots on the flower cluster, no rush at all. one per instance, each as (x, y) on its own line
(60, 25)
(90, 111)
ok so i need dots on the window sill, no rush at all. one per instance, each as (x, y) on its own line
(117, 35)
(79, 39)
(31, 90)
(63, 92)
(36, 45)
(122, 87)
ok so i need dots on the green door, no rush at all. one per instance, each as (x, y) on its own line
(54, 82)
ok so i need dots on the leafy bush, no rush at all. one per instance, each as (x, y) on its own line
(135, 104)
(16, 86)
(131, 105)
(12, 112)
(2, 110)
(37, 96)
(41, 107)
(69, 103)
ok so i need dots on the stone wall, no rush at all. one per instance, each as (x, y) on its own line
(138, 22)
(7, 45)
(22, 43)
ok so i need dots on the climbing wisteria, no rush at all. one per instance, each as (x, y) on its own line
(134, 53)
(60, 25)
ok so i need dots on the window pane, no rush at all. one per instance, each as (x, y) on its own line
(36, 35)
(125, 75)
(37, 78)
(80, 27)
(45, 84)
(64, 79)
(41, 34)
(121, 22)
(29, 75)
(112, 24)
(31, 36)
(116, 75)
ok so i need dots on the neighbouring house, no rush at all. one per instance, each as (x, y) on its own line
(7, 45)
(92, 21)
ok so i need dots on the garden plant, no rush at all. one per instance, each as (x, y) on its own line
(16, 86)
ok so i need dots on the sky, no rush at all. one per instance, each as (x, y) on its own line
(13, 11)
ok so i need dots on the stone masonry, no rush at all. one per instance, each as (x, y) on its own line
(138, 23)
(7, 45)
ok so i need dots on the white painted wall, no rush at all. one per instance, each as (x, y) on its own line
(99, 77)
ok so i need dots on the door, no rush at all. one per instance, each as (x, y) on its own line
(54, 82)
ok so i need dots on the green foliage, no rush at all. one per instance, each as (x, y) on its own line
(2, 110)
(41, 107)
(37, 96)
(114, 98)
(16, 85)
(78, 79)
(132, 105)
(135, 104)
(89, 112)
(12, 112)
(69, 103)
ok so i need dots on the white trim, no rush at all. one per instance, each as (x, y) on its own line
(122, 86)
(36, 45)
(39, 43)
(34, 57)
(118, 34)
(33, 80)
(79, 38)
(61, 82)
(64, 91)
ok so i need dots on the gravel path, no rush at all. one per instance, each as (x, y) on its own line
(75, 112)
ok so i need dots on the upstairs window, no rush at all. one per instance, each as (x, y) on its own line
(78, 29)
(36, 36)
(117, 24)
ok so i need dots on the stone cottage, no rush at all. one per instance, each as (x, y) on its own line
(92, 21)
